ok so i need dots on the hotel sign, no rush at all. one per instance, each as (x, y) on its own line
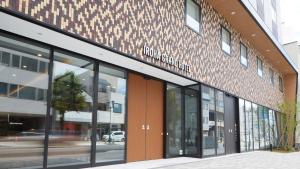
(164, 58)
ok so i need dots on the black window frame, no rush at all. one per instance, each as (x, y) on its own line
(221, 39)
(262, 67)
(243, 45)
(185, 15)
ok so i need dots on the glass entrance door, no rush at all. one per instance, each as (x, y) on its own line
(191, 143)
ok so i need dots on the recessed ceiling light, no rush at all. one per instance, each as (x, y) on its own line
(253, 34)
(14, 75)
(24, 66)
(267, 50)
(233, 13)
(39, 55)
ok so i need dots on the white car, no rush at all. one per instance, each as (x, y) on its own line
(115, 136)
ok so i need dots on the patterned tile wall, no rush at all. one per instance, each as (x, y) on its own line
(129, 24)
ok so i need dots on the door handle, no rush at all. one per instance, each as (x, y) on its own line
(148, 127)
(143, 127)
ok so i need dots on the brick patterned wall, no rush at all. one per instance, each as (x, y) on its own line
(129, 24)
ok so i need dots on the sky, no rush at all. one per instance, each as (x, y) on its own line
(290, 20)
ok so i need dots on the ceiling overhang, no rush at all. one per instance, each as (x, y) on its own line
(243, 17)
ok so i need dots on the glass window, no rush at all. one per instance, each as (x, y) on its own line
(249, 127)
(244, 56)
(16, 61)
(259, 67)
(22, 126)
(43, 67)
(26, 92)
(193, 15)
(242, 119)
(111, 126)
(275, 128)
(41, 94)
(225, 38)
(5, 60)
(220, 122)
(255, 127)
(261, 127)
(280, 81)
(13, 90)
(208, 122)
(191, 122)
(3, 89)
(271, 78)
(174, 120)
(29, 64)
(70, 133)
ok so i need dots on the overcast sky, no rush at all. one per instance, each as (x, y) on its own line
(290, 20)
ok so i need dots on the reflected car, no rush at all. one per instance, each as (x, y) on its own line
(115, 136)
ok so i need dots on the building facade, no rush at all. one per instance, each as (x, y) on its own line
(293, 49)
(94, 83)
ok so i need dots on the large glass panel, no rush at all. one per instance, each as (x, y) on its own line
(110, 114)
(276, 128)
(249, 128)
(267, 127)
(261, 127)
(220, 122)
(191, 122)
(255, 127)
(242, 125)
(22, 119)
(272, 128)
(71, 110)
(208, 121)
(174, 120)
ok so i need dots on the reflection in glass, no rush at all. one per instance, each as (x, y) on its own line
(208, 121)
(111, 114)
(267, 128)
(249, 129)
(272, 127)
(276, 127)
(261, 127)
(191, 122)
(220, 122)
(255, 127)
(71, 106)
(242, 125)
(22, 116)
(174, 120)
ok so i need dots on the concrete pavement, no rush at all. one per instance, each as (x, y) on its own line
(250, 160)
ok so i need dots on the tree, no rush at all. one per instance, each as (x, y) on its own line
(67, 95)
(288, 124)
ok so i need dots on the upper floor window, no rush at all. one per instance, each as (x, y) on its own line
(244, 56)
(280, 81)
(225, 37)
(193, 15)
(271, 78)
(259, 67)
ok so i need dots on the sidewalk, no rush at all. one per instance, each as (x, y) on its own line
(250, 160)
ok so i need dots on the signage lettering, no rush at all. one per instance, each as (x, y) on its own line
(163, 57)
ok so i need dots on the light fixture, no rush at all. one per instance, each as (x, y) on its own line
(24, 66)
(233, 13)
(253, 34)
(268, 50)
(39, 55)
(14, 75)
(83, 79)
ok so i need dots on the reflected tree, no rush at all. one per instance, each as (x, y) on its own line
(67, 95)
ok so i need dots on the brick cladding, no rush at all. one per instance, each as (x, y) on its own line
(128, 24)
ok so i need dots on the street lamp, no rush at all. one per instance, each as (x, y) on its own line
(111, 108)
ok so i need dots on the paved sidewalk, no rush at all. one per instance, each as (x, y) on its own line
(251, 160)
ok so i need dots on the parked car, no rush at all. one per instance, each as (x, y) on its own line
(115, 136)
